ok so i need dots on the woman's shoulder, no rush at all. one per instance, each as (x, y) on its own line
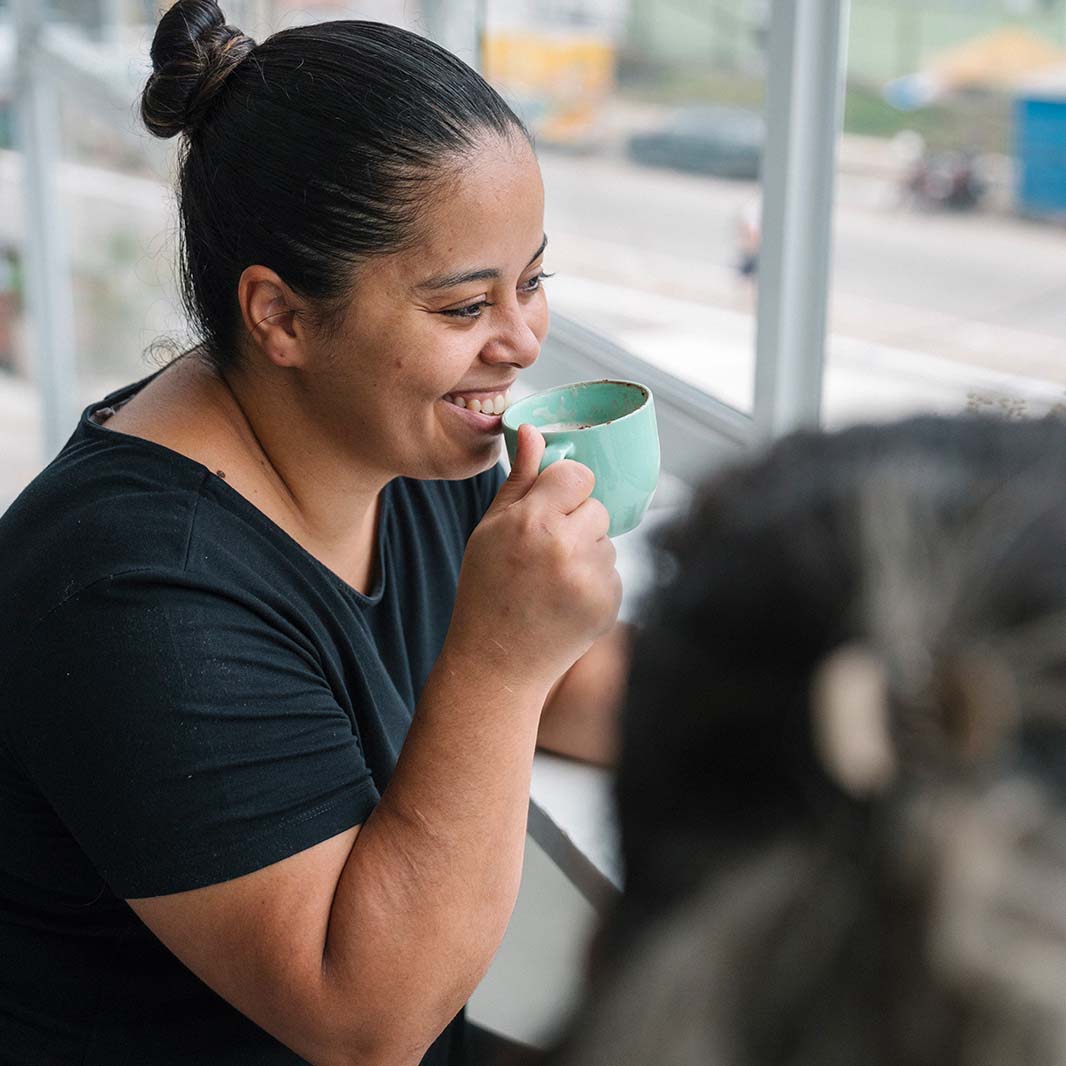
(111, 505)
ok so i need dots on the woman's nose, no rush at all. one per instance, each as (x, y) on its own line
(517, 341)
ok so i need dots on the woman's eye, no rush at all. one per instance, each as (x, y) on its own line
(474, 310)
(534, 283)
(470, 311)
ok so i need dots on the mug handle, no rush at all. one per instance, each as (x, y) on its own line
(560, 449)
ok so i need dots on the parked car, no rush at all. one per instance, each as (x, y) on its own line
(708, 139)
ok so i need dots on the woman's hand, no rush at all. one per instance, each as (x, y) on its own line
(538, 583)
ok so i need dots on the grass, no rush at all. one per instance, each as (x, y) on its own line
(978, 120)
(679, 86)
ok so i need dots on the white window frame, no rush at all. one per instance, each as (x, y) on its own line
(806, 67)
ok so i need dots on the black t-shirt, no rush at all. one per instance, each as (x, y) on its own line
(186, 695)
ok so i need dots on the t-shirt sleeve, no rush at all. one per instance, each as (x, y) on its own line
(184, 737)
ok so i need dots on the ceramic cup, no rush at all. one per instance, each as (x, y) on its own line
(607, 425)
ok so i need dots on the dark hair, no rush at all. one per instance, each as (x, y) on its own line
(305, 153)
(776, 913)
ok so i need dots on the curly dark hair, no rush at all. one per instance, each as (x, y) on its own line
(843, 763)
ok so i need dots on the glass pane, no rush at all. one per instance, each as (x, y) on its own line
(117, 211)
(949, 292)
(20, 432)
(20, 440)
(118, 199)
(122, 249)
(648, 118)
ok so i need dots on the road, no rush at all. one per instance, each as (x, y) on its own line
(984, 291)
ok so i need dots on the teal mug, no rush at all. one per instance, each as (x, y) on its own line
(607, 425)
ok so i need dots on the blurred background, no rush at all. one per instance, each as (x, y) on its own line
(947, 287)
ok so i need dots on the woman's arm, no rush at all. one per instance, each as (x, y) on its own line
(361, 949)
(580, 716)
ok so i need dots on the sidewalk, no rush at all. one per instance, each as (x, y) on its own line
(713, 348)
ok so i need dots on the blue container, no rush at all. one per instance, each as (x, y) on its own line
(1040, 150)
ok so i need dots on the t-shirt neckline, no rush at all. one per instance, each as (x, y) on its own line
(229, 494)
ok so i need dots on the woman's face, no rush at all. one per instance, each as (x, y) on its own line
(434, 333)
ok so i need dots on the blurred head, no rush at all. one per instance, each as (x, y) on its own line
(843, 766)
(361, 211)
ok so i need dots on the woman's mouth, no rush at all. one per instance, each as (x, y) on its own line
(485, 403)
(479, 410)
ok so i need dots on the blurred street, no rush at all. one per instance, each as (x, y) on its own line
(985, 291)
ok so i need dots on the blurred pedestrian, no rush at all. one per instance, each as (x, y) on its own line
(908, 149)
(9, 307)
(749, 240)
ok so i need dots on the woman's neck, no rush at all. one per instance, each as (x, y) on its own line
(333, 504)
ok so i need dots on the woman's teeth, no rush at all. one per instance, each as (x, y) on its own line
(494, 405)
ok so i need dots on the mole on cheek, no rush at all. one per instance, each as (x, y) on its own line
(399, 364)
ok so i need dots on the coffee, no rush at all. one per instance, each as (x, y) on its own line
(563, 427)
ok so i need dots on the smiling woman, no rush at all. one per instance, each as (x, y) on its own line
(269, 723)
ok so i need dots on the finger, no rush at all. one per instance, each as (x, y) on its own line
(617, 591)
(564, 486)
(529, 450)
(591, 520)
(609, 553)
(605, 560)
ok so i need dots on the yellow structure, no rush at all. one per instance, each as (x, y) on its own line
(559, 81)
(996, 60)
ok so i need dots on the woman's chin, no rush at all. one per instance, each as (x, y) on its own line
(446, 462)
(484, 459)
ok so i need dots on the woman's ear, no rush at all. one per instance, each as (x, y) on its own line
(272, 316)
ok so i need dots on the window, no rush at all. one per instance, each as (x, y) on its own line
(648, 119)
(948, 290)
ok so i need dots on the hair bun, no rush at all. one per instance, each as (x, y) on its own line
(193, 53)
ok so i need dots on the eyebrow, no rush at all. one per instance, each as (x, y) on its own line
(448, 281)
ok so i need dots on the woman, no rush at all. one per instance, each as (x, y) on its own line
(856, 850)
(278, 640)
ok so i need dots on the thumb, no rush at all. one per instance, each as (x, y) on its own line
(525, 470)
